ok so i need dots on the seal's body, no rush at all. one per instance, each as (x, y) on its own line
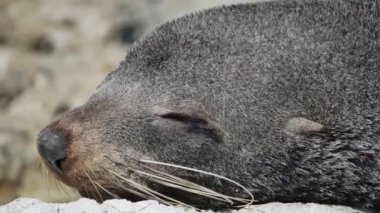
(281, 97)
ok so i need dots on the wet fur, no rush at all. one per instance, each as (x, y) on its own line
(214, 91)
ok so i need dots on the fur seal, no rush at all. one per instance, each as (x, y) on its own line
(275, 100)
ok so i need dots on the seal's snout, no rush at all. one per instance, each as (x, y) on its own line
(51, 146)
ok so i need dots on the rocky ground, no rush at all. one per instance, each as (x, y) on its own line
(150, 206)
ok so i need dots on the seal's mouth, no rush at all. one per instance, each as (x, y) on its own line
(56, 165)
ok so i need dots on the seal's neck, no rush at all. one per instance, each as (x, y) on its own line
(340, 166)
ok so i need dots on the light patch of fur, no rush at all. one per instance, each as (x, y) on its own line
(300, 125)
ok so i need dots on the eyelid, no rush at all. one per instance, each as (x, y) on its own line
(196, 124)
(183, 117)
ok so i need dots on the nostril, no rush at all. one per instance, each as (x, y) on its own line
(51, 146)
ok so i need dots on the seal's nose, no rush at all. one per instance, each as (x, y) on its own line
(51, 146)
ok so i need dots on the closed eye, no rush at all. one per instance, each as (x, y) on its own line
(195, 124)
(184, 118)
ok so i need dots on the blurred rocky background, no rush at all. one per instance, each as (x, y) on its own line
(53, 54)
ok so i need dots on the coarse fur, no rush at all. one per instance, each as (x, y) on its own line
(215, 91)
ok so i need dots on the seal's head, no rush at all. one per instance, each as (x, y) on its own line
(278, 99)
(112, 146)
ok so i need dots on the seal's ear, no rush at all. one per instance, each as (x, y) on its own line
(195, 120)
(303, 126)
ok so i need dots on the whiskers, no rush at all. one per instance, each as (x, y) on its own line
(100, 198)
(146, 170)
(147, 193)
(52, 181)
(95, 184)
(201, 190)
(175, 182)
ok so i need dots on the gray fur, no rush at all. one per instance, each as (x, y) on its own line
(237, 75)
